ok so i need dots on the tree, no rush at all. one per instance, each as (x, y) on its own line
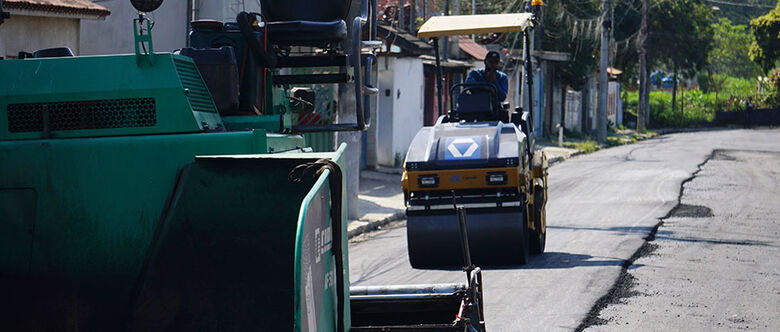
(565, 31)
(765, 49)
(729, 56)
(681, 37)
(740, 12)
(627, 23)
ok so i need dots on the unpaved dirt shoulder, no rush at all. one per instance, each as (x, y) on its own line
(715, 263)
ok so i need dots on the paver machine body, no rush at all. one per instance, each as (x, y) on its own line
(481, 156)
(142, 192)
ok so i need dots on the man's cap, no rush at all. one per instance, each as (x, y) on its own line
(493, 55)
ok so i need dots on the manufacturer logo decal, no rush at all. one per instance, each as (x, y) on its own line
(455, 178)
(459, 148)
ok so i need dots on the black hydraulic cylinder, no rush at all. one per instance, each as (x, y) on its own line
(464, 238)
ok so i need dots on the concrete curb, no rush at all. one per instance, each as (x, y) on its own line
(358, 227)
(558, 159)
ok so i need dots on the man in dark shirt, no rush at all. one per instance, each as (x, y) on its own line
(491, 74)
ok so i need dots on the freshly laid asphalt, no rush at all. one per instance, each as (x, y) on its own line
(602, 207)
(714, 261)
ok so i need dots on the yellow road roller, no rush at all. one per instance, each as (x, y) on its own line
(479, 155)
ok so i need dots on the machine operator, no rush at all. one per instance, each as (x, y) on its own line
(491, 74)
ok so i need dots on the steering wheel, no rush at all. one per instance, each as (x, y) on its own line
(475, 87)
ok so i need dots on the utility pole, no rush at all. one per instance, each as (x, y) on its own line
(473, 12)
(642, 109)
(453, 43)
(413, 18)
(401, 16)
(445, 55)
(603, 82)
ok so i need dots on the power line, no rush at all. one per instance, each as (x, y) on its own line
(729, 3)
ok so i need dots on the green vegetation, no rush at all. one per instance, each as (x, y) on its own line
(586, 146)
(700, 106)
(697, 107)
(564, 32)
(682, 38)
(765, 49)
(729, 55)
(742, 11)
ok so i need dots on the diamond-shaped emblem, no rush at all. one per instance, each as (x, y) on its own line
(462, 148)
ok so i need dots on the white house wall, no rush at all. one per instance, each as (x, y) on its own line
(615, 104)
(224, 10)
(400, 109)
(384, 119)
(32, 33)
(115, 34)
(573, 109)
(557, 104)
(407, 105)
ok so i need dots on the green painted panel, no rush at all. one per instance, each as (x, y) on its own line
(17, 217)
(315, 278)
(224, 258)
(320, 142)
(99, 201)
(59, 85)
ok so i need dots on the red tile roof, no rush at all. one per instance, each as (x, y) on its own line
(472, 48)
(79, 7)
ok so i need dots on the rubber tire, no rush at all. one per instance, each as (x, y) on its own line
(538, 237)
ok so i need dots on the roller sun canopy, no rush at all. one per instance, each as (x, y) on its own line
(458, 25)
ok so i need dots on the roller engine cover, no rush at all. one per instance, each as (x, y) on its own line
(465, 145)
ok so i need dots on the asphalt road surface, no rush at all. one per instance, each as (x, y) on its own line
(602, 208)
(715, 262)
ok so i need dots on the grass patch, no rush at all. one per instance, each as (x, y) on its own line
(586, 146)
(614, 141)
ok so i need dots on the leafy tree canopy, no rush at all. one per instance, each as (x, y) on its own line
(765, 49)
(740, 12)
(729, 55)
(681, 34)
(572, 27)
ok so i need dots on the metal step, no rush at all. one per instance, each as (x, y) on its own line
(311, 79)
(312, 61)
(371, 44)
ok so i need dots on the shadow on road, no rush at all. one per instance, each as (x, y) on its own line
(622, 230)
(716, 241)
(558, 260)
(563, 260)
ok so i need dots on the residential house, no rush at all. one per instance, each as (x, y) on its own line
(42, 24)
(589, 122)
(399, 114)
(115, 34)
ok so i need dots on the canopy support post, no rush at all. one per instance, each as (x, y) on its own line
(529, 77)
(438, 73)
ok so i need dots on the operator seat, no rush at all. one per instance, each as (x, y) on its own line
(307, 33)
(317, 23)
(475, 105)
